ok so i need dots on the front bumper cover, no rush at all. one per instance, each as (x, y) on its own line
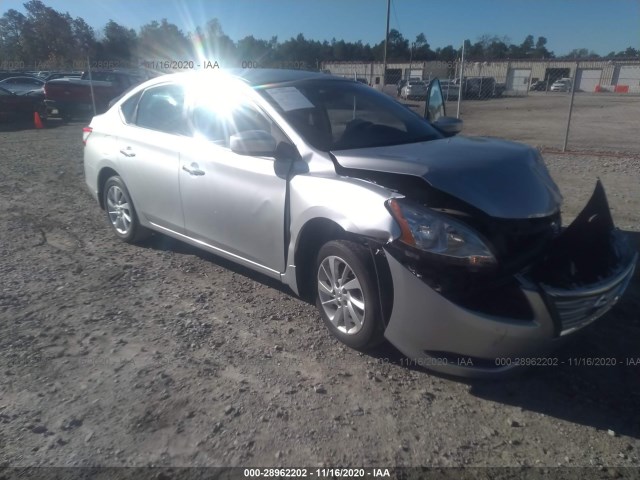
(436, 333)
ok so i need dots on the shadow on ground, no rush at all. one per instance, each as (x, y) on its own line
(19, 125)
(595, 383)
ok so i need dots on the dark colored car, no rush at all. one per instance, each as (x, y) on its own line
(20, 106)
(21, 83)
(538, 86)
(68, 97)
(56, 75)
(482, 88)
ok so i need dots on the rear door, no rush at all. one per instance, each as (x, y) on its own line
(149, 146)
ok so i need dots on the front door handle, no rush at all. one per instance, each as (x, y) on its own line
(128, 152)
(194, 170)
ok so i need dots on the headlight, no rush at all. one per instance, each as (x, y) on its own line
(439, 234)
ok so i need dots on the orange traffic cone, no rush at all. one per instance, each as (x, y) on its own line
(37, 121)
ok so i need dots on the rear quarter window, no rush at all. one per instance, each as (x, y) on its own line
(128, 108)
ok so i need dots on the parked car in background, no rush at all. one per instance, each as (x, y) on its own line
(449, 247)
(414, 89)
(68, 97)
(538, 86)
(21, 83)
(450, 89)
(562, 85)
(480, 88)
(55, 75)
(20, 106)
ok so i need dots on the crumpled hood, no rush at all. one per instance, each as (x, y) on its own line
(503, 179)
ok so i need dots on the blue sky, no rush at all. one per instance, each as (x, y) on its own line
(599, 25)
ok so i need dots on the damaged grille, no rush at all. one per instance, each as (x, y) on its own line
(577, 308)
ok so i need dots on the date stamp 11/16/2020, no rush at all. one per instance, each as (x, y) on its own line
(190, 64)
(520, 362)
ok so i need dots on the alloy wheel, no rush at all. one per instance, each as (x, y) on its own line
(119, 210)
(341, 295)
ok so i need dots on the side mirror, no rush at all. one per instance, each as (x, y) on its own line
(449, 126)
(435, 111)
(434, 106)
(253, 142)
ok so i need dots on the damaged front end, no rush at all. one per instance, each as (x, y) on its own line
(518, 289)
(586, 269)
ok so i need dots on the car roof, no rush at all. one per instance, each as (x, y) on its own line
(254, 78)
(21, 77)
(258, 77)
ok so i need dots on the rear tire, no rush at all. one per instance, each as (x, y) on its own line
(347, 295)
(121, 213)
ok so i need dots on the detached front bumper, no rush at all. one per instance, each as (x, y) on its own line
(438, 334)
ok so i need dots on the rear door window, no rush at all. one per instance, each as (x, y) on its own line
(161, 108)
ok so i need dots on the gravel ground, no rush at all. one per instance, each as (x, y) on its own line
(158, 354)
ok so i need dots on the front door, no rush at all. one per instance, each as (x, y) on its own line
(231, 202)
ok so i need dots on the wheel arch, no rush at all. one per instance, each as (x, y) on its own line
(318, 231)
(313, 234)
(105, 174)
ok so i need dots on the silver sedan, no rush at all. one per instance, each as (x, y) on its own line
(414, 89)
(451, 248)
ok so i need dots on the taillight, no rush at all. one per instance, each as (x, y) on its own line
(86, 131)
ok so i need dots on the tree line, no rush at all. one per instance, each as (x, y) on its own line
(45, 36)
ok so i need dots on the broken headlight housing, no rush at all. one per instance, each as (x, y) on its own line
(439, 234)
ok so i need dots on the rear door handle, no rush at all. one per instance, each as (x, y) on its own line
(194, 170)
(128, 152)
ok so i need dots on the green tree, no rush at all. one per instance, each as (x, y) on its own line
(581, 53)
(163, 41)
(11, 35)
(397, 48)
(84, 38)
(47, 35)
(218, 46)
(250, 49)
(446, 54)
(540, 50)
(119, 43)
(422, 49)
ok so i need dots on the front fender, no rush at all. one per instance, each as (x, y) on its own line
(357, 206)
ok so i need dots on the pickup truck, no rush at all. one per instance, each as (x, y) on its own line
(68, 97)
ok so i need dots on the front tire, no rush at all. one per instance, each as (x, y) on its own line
(121, 213)
(347, 295)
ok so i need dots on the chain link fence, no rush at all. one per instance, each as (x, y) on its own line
(590, 106)
(554, 104)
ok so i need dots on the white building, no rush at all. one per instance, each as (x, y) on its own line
(590, 75)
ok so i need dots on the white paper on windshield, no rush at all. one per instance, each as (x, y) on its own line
(289, 98)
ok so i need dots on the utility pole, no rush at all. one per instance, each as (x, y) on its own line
(386, 38)
(413, 44)
(573, 92)
(460, 80)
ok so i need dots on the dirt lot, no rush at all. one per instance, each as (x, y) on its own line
(158, 354)
(599, 122)
(602, 122)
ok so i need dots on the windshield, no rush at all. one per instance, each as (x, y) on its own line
(337, 115)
